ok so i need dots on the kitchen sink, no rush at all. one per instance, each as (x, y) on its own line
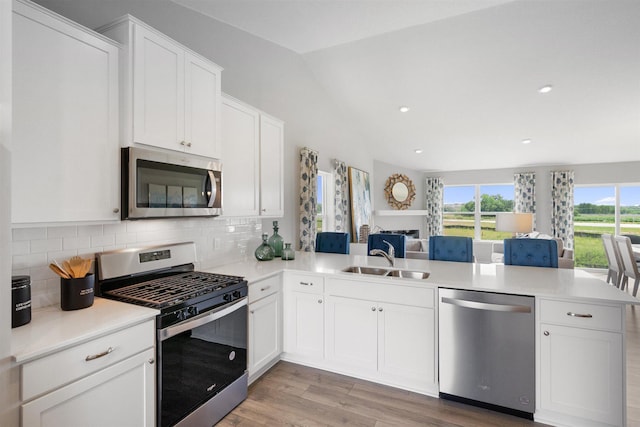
(408, 274)
(366, 270)
(387, 272)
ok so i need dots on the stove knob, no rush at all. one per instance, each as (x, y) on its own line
(236, 294)
(227, 297)
(179, 315)
(192, 311)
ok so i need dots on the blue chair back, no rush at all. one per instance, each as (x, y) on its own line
(451, 248)
(331, 242)
(531, 252)
(398, 241)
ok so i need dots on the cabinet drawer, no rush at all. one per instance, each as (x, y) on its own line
(304, 283)
(582, 315)
(263, 288)
(55, 370)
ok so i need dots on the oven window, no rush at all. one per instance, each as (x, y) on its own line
(199, 363)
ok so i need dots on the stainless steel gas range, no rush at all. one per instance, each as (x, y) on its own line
(201, 342)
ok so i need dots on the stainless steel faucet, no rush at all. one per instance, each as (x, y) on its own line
(389, 256)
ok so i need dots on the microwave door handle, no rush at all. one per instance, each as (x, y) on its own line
(214, 189)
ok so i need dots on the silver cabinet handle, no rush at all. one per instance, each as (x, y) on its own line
(116, 210)
(183, 143)
(188, 144)
(572, 314)
(265, 288)
(151, 361)
(373, 309)
(546, 333)
(486, 306)
(306, 283)
(99, 355)
(319, 301)
(379, 308)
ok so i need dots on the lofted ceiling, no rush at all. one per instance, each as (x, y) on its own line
(470, 71)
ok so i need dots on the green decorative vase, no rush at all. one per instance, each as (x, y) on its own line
(276, 240)
(288, 254)
(264, 251)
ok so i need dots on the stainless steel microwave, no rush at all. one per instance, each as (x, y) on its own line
(159, 184)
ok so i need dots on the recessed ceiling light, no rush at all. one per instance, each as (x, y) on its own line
(545, 89)
(404, 109)
(418, 150)
(526, 141)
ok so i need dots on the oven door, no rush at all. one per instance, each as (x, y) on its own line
(198, 358)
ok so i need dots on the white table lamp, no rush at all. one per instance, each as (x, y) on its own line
(514, 222)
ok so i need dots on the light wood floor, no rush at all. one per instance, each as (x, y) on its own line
(294, 395)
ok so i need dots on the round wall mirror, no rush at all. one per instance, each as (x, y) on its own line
(399, 191)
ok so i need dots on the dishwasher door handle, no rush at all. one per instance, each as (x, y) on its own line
(487, 306)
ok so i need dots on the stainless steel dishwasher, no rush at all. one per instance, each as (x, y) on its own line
(487, 350)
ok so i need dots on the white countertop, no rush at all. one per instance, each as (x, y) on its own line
(535, 281)
(52, 329)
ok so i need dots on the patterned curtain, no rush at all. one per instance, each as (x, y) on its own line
(433, 205)
(525, 189)
(562, 206)
(308, 197)
(341, 195)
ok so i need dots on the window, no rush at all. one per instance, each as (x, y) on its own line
(464, 216)
(613, 209)
(324, 202)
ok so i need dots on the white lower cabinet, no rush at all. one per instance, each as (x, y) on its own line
(70, 387)
(265, 325)
(390, 337)
(304, 317)
(581, 364)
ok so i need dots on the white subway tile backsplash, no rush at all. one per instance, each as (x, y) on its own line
(65, 231)
(82, 242)
(106, 240)
(46, 245)
(21, 247)
(218, 242)
(90, 230)
(29, 233)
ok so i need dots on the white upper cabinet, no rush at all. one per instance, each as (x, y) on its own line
(65, 155)
(172, 95)
(252, 153)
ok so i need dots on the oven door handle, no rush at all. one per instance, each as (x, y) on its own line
(201, 319)
(214, 188)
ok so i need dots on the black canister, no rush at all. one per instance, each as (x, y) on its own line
(20, 300)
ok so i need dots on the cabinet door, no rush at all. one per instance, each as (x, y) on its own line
(271, 167)
(352, 333)
(581, 373)
(241, 157)
(202, 106)
(401, 326)
(128, 387)
(65, 156)
(158, 90)
(264, 332)
(305, 325)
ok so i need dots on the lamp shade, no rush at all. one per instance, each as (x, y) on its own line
(514, 222)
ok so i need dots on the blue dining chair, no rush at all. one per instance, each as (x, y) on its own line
(531, 252)
(451, 248)
(332, 242)
(398, 241)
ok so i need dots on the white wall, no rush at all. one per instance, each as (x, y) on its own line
(593, 174)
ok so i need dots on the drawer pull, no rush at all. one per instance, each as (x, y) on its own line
(99, 355)
(265, 288)
(572, 314)
(306, 283)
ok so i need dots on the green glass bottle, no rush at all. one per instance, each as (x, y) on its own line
(288, 253)
(264, 251)
(276, 241)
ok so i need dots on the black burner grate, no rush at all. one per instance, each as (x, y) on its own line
(171, 290)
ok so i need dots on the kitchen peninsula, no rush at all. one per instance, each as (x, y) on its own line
(310, 311)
